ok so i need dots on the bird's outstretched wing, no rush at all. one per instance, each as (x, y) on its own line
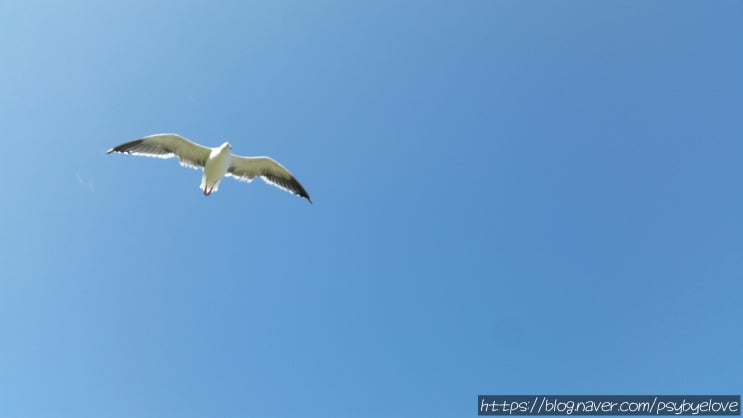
(189, 153)
(247, 168)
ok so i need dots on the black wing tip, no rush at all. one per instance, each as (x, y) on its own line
(290, 184)
(125, 147)
(299, 190)
(301, 193)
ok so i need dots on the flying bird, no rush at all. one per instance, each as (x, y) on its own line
(216, 162)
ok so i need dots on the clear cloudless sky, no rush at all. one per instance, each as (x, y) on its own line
(510, 197)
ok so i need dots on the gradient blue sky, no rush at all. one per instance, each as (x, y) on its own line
(510, 197)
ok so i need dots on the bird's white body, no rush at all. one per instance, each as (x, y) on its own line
(216, 162)
(215, 168)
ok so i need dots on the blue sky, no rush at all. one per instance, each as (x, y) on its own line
(510, 197)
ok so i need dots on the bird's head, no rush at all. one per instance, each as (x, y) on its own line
(227, 145)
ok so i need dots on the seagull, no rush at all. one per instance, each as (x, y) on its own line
(216, 162)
